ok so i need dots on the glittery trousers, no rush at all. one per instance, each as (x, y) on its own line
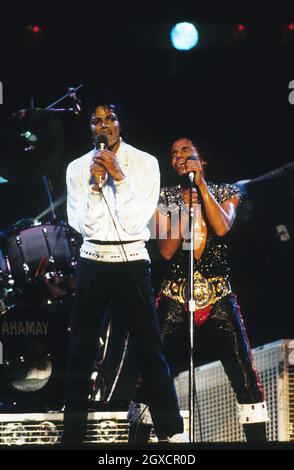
(97, 283)
(224, 333)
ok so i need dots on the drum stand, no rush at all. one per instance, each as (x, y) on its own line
(49, 191)
(71, 93)
(97, 384)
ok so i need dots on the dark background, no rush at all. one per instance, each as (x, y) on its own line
(232, 90)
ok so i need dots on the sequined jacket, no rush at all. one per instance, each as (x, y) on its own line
(214, 259)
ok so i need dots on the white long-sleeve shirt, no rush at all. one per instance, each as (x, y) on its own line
(132, 202)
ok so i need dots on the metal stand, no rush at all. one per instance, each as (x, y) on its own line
(192, 308)
(97, 393)
(71, 93)
(48, 188)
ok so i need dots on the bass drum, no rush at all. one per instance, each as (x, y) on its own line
(37, 282)
(34, 349)
(38, 260)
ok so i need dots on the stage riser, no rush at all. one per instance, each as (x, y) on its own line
(275, 365)
(46, 429)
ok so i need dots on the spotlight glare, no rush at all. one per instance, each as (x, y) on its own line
(241, 27)
(184, 36)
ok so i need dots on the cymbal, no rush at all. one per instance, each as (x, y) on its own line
(31, 144)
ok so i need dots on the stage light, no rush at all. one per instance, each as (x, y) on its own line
(291, 26)
(241, 27)
(237, 34)
(184, 36)
(34, 29)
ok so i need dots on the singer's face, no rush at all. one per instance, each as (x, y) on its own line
(105, 121)
(180, 151)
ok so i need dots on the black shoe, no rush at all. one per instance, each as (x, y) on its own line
(139, 433)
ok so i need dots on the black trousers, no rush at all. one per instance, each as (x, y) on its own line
(223, 333)
(97, 283)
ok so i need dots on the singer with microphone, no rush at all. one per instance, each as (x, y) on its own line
(217, 318)
(112, 194)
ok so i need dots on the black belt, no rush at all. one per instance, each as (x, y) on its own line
(102, 242)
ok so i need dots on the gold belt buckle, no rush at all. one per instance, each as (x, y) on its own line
(206, 291)
(204, 294)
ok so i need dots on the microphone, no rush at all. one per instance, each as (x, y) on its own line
(188, 178)
(191, 174)
(101, 142)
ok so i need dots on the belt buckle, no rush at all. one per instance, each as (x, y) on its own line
(204, 293)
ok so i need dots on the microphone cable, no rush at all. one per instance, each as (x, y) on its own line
(139, 292)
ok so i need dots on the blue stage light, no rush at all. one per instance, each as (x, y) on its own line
(184, 36)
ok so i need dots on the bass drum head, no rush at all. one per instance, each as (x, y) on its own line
(34, 346)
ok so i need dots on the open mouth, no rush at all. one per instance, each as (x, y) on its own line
(181, 164)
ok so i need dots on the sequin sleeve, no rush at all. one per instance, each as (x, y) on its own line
(162, 205)
(162, 197)
(225, 191)
(170, 200)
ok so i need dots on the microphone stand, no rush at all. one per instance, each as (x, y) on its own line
(192, 308)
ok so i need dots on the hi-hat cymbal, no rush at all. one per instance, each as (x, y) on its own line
(31, 144)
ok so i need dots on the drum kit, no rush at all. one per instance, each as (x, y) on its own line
(37, 266)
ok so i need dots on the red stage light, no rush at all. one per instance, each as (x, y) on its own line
(241, 27)
(291, 26)
(36, 29)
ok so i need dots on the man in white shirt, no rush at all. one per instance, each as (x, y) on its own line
(112, 194)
